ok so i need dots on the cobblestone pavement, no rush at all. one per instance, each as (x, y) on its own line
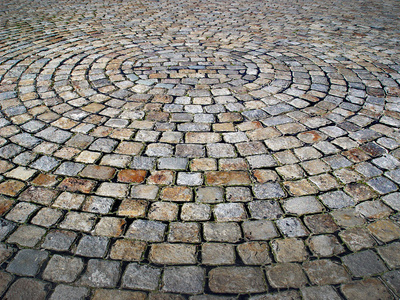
(199, 149)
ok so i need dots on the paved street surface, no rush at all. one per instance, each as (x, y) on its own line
(199, 149)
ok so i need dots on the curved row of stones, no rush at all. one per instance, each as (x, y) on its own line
(172, 170)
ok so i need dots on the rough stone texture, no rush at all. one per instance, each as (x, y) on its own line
(184, 232)
(291, 227)
(222, 232)
(217, 254)
(302, 205)
(392, 278)
(289, 250)
(286, 276)
(265, 209)
(237, 280)
(63, 269)
(319, 292)
(195, 212)
(65, 291)
(132, 208)
(151, 231)
(92, 246)
(229, 212)
(118, 295)
(27, 235)
(141, 277)
(324, 272)
(173, 254)
(188, 280)
(357, 238)
(27, 262)
(385, 230)
(59, 240)
(325, 245)
(26, 288)
(371, 288)
(292, 295)
(268, 191)
(259, 230)
(5, 252)
(143, 145)
(101, 273)
(128, 250)
(390, 254)
(365, 263)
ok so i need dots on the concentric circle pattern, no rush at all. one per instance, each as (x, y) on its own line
(199, 149)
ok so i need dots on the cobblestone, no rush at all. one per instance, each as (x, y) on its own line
(101, 273)
(190, 150)
(59, 240)
(323, 272)
(141, 277)
(237, 280)
(188, 280)
(365, 263)
(27, 262)
(62, 291)
(92, 246)
(25, 288)
(368, 288)
(286, 276)
(27, 235)
(392, 279)
(63, 269)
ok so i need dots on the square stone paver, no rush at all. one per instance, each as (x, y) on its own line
(365, 263)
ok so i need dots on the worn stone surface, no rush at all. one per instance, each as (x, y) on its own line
(292, 295)
(92, 246)
(218, 254)
(152, 231)
(259, 230)
(100, 273)
(237, 280)
(319, 292)
(365, 263)
(173, 254)
(63, 291)
(118, 294)
(187, 280)
(323, 272)
(222, 232)
(286, 276)
(385, 230)
(141, 277)
(27, 288)
(392, 279)
(59, 240)
(63, 269)
(27, 262)
(325, 245)
(192, 150)
(27, 235)
(289, 250)
(128, 250)
(390, 254)
(364, 289)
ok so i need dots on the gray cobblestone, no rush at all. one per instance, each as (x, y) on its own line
(101, 273)
(141, 277)
(92, 246)
(27, 262)
(63, 269)
(63, 291)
